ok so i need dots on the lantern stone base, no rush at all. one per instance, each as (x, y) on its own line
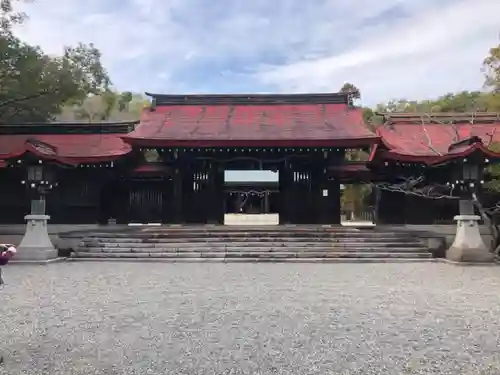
(36, 244)
(468, 245)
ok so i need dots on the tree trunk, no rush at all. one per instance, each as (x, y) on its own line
(489, 222)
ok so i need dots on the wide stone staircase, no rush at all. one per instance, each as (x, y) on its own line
(238, 244)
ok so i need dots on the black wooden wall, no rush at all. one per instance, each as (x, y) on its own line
(14, 197)
(400, 208)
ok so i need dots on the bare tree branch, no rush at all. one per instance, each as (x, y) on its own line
(434, 119)
(418, 187)
(492, 136)
(488, 216)
(429, 140)
(456, 135)
(410, 186)
(22, 99)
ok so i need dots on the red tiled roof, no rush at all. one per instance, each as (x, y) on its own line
(322, 120)
(430, 141)
(151, 168)
(353, 171)
(66, 148)
(351, 167)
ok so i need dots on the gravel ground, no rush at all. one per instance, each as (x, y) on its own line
(140, 318)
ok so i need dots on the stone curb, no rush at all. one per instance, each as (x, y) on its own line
(495, 263)
(256, 260)
(37, 262)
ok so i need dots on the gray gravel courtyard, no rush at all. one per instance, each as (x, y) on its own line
(142, 318)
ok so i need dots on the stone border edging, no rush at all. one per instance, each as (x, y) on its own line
(35, 262)
(463, 264)
(255, 260)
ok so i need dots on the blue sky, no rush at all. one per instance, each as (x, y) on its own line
(388, 48)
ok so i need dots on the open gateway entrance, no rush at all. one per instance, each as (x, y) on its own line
(251, 197)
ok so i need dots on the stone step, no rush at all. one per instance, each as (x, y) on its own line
(250, 255)
(256, 260)
(247, 228)
(251, 244)
(215, 240)
(242, 250)
(244, 231)
(247, 237)
(215, 245)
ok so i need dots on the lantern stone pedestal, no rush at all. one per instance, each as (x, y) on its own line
(468, 245)
(36, 244)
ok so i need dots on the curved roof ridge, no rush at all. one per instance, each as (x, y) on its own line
(251, 99)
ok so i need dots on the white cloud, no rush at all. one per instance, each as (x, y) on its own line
(389, 48)
(439, 50)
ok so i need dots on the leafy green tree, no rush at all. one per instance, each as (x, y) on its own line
(83, 65)
(106, 106)
(34, 86)
(354, 199)
(95, 107)
(465, 101)
(8, 16)
(350, 88)
(369, 118)
(494, 172)
(491, 68)
(124, 100)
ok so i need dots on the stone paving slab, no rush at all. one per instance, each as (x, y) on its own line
(146, 318)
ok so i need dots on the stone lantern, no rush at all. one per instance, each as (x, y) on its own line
(468, 245)
(36, 244)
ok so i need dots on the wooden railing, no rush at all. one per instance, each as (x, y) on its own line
(364, 215)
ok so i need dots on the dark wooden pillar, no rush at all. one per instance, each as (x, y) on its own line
(167, 188)
(376, 193)
(211, 199)
(300, 194)
(316, 199)
(285, 199)
(106, 207)
(334, 188)
(328, 196)
(216, 195)
(306, 193)
(121, 200)
(328, 203)
(188, 194)
(178, 196)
